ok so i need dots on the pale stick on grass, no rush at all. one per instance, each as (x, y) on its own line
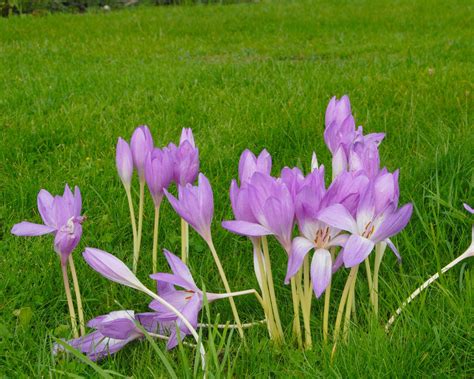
(77, 292)
(132, 220)
(72, 312)
(468, 253)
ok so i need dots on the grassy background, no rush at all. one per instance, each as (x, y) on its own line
(248, 75)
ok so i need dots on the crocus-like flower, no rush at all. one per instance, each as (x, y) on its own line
(141, 145)
(185, 158)
(368, 227)
(293, 178)
(188, 301)
(61, 216)
(112, 332)
(272, 206)
(124, 161)
(195, 204)
(249, 164)
(111, 267)
(158, 173)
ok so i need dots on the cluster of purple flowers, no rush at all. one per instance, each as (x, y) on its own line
(339, 224)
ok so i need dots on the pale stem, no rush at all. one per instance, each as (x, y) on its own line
(296, 312)
(327, 301)
(132, 220)
(184, 241)
(350, 301)
(342, 304)
(308, 297)
(368, 272)
(78, 295)
(182, 318)
(468, 253)
(140, 225)
(72, 312)
(226, 285)
(271, 287)
(156, 226)
(379, 252)
(266, 297)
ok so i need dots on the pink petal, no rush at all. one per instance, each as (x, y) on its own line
(338, 217)
(356, 249)
(299, 248)
(321, 271)
(29, 229)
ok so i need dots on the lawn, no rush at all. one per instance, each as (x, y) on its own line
(251, 75)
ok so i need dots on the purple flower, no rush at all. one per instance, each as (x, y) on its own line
(272, 207)
(368, 227)
(340, 124)
(249, 164)
(61, 216)
(185, 159)
(293, 179)
(195, 204)
(111, 267)
(188, 301)
(112, 332)
(468, 208)
(124, 161)
(141, 145)
(158, 173)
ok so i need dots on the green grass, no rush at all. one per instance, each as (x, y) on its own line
(256, 75)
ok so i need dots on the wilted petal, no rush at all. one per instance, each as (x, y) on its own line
(321, 271)
(356, 249)
(29, 229)
(299, 248)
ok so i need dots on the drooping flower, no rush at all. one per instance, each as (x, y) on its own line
(112, 332)
(189, 300)
(195, 204)
(61, 217)
(185, 158)
(368, 227)
(124, 162)
(141, 145)
(158, 173)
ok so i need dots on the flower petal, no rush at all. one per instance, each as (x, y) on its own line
(299, 248)
(179, 268)
(29, 229)
(392, 247)
(321, 271)
(338, 217)
(356, 249)
(245, 228)
(393, 223)
(45, 207)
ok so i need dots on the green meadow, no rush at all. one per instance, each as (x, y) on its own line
(250, 75)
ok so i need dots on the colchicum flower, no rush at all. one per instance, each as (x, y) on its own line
(195, 204)
(124, 161)
(61, 217)
(141, 145)
(185, 158)
(112, 332)
(158, 173)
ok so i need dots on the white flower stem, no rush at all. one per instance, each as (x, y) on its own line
(306, 303)
(184, 241)
(226, 285)
(296, 312)
(166, 338)
(349, 304)
(327, 302)
(133, 222)
(156, 227)
(271, 287)
(72, 312)
(78, 295)
(468, 253)
(379, 252)
(140, 225)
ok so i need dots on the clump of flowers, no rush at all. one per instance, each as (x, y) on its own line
(324, 230)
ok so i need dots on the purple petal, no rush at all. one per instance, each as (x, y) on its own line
(45, 207)
(29, 229)
(393, 223)
(468, 208)
(190, 312)
(179, 269)
(394, 249)
(187, 135)
(321, 271)
(299, 248)
(356, 249)
(124, 161)
(244, 228)
(338, 217)
(339, 162)
(121, 328)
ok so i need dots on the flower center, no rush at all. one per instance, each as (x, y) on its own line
(368, 230)
(322, 237)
